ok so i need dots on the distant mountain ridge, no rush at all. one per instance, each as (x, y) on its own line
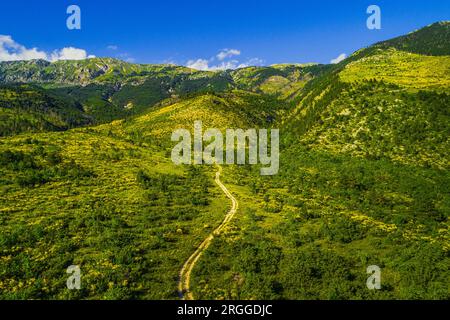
(363, 180)
(107, 70)
(105, 89)
(430, 40)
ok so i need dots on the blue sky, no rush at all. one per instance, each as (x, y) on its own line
(262, 32)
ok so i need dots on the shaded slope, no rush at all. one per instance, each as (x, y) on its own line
(235, 109)
(27, 108)
(109, 89)
(433, 40)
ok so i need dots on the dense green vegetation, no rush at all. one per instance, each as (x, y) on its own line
(310, 232)
(27, 108)
(431, 40)
(124, 213)
(364, 178)
(284, 80)
(364, 181)
(107, 89)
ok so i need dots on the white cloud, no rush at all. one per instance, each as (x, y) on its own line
(169, 61)
(228, 53)
(224, 62)
(125, 57)
(10, 50)
(70, 53)
(340, 58)
(204, 65)
(251, 62)
(199, 64)
(226, 65)
(112, 47)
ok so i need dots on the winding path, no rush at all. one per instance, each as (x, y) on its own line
(185, 273)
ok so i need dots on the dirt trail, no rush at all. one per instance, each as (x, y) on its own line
(185, 273)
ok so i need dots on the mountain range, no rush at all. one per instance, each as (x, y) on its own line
(86, 177)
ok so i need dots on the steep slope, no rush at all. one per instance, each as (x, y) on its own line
(432, 40)
(233, 109)
(114, 201)
(284, 80)
(364, 181)
(81, 72)
(109, 89)
(27, 108)
(124, 212)
(380, 103)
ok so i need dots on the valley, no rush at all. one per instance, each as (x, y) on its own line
(86, 178)
(185, 273)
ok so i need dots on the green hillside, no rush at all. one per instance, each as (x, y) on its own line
(364, 181)
(284, 79)
(364, 178)
(124, 212)
(233, 109)
(155, 212)
(109, 89)
(432, 40)
(28, 108)
(379, 104)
